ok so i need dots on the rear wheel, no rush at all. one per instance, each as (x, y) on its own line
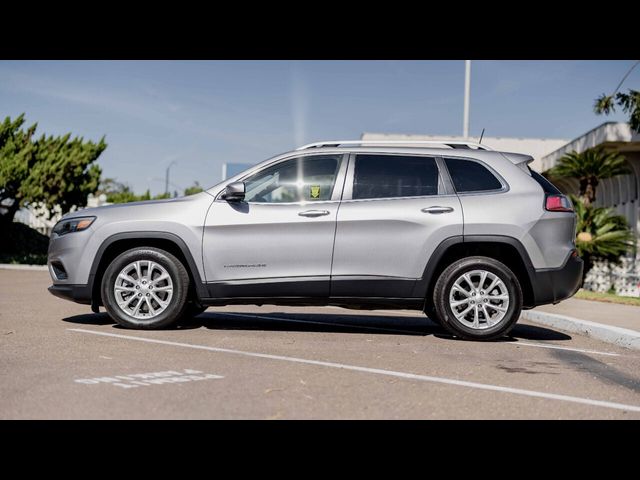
(478, 298)
(145, 288)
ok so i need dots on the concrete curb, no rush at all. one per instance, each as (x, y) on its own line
(622, 337)
(18, 266)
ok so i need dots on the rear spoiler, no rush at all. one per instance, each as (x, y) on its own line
(519, 159)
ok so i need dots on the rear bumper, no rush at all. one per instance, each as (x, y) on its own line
(75, 293)
(555, 285)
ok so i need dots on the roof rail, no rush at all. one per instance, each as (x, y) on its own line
(448, 143)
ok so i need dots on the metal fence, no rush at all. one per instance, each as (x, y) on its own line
(623, 278)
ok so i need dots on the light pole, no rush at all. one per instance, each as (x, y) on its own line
(467, 89)
(166, 178)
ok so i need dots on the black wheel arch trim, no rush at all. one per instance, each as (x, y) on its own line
(426, 282)
(199, 285)
(544, 289)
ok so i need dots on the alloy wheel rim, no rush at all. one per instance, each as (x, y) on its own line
(479, 299)
(143, 289)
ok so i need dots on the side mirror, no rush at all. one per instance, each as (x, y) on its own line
(234, 192)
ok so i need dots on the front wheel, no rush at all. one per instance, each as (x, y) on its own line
(478, 298)
(145, 288)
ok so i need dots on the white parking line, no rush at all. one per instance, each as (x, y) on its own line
(558, 347)
(393, 330)
(411, 376)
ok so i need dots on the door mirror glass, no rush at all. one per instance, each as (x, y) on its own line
(234, 192)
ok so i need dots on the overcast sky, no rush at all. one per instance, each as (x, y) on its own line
(202, 114)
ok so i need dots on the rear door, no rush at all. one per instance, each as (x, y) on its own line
(394, 213)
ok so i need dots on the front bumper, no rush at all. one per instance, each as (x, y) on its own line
(75, 293)
(74, 253)
(555, 285)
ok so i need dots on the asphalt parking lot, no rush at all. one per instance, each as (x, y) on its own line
(60, 361)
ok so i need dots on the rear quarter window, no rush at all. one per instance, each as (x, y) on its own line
(470, 176)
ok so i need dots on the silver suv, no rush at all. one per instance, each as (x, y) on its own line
(468, 235)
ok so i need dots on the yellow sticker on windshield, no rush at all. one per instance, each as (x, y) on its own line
(315, 191)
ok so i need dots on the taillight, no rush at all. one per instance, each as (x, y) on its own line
(558, 203)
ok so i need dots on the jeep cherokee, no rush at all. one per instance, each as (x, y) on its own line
(468, 235)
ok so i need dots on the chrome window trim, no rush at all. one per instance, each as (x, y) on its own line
(352, 200)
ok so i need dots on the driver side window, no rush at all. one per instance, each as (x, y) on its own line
(310, 178)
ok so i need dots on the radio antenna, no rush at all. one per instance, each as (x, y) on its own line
(481, 135)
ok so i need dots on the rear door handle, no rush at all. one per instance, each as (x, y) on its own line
(436, 210)
(314, 213)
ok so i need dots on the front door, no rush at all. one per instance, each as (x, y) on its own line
(279, 241)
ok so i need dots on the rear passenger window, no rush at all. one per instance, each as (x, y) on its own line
(471, 176)
(389, 176)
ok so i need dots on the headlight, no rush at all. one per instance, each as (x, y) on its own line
(76, 224)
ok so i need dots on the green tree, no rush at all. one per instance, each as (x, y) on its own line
(602, 234)
(629, 102)
(109, 185)
(51, 171)
(127, 196)
(192, 190)
(17, 156)
(118, 192)
(589, 168)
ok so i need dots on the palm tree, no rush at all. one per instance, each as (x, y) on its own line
(602, 234)
(589, 168)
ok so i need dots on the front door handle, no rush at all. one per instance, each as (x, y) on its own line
(314, 213)
(436, 210)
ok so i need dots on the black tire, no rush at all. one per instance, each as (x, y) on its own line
(179, 277)
(444, 310)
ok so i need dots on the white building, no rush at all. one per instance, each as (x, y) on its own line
(619, 193)
(536, 147)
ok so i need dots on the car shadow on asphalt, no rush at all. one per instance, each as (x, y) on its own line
(90, 319)
(418, 325)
